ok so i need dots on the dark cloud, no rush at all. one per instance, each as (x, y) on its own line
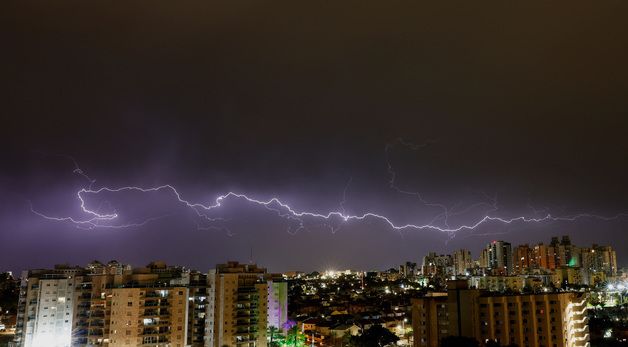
(525, 101)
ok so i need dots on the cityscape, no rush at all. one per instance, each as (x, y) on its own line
(346, 173)
(547, 294)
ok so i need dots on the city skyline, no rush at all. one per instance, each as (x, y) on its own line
(519, 295)
(513, 260)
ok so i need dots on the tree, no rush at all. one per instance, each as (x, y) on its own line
(408, 334)
(346, 339)
(294, 338)
(375, 336)
(275, 336)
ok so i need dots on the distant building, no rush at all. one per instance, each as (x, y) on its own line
(497, 283)
(522, 259)
(462, 262)
(598, 263)
(483, 261)
(408, 269)
(437, 265)
(543, 257)
(500, 257)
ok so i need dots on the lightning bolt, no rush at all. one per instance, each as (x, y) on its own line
(94, 219)
(275, 204)
(446, 212)
(344, 196)
(392, 174)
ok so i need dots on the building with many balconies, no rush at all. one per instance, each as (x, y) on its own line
(527, 320)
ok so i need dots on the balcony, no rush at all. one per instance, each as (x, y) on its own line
(152, 343)
(247, 290)
(154, 331)
(146, 332)
(80, 341)
(96, 332)
(156, 313)
(150, 313)
(154, 295)
(98, 324)
(80, 332)
(155, 302)
(246, 330)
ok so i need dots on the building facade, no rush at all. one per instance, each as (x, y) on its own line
(462, 262)
(277, 304)
(149, 316)
(46, 308)
(500, 257)
(242, 301)
(528, 320)
(157, 305)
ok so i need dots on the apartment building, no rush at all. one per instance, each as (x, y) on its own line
(197, 309)
(157, 305)
(46, 308)
(149, 316)
(237, 313)
(277, 304)
(430, 319)
(528, 320)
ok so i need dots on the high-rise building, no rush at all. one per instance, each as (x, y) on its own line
(237, 313)
(277, 304)
(500, 257)
(607, 259)
(159, 305)
(197, 310)
(92, 308)
(483, 260)
(50, 310)
(565, 242)
(46, 307)
(522, 259)
(559, 251)
(462, 262)
(544, 257)
(408, 269)
(597, 263)
(434, 264)
(149, 316)
(527, 320)
(430, 321)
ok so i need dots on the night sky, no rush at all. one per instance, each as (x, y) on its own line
(496, 108)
